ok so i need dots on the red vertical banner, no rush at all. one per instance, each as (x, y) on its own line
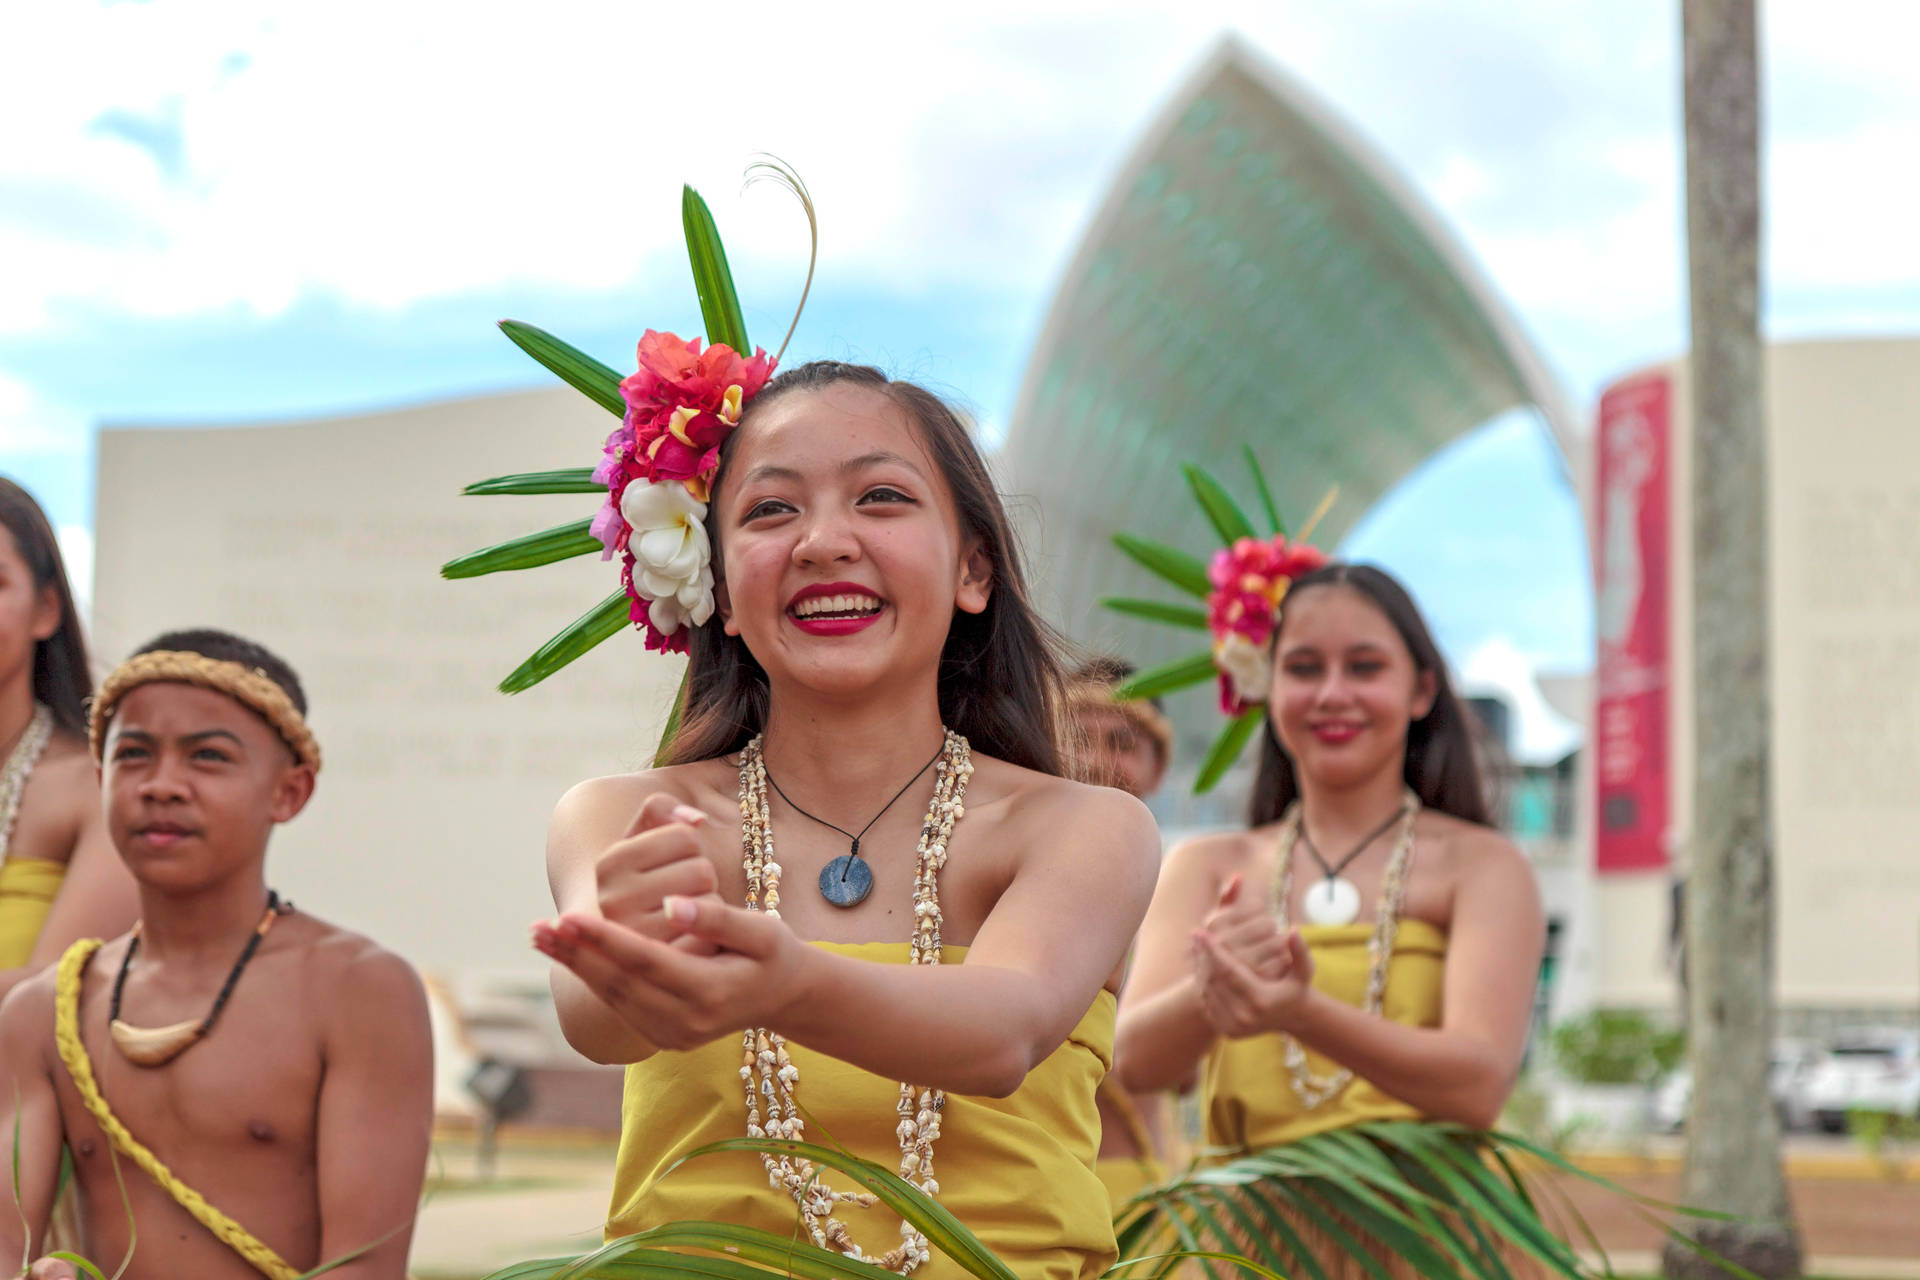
(1630, 615)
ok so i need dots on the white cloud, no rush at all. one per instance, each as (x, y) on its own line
(383, 153)
(76, 548)
(1498, 666)
(32, 424)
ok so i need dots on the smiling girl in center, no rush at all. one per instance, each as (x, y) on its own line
(858, 902)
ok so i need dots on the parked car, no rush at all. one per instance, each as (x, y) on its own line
(1875, 1069)
(1788, 1071)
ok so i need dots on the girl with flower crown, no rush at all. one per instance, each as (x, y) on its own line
(857, 902)
(1366, 950)
(60, 879)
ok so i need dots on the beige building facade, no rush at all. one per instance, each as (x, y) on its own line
(1844, 522)
(323, 540)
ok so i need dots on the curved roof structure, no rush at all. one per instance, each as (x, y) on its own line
(1257, 275)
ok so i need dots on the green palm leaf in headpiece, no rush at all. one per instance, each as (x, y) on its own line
(720, 309)
(1188, 573)
(725, 324)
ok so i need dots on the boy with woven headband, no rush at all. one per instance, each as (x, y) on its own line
(299, 1133)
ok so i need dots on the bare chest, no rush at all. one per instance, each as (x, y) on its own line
(243, 1098)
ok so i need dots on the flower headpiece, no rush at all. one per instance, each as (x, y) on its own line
(1242, 588)
(658, 466)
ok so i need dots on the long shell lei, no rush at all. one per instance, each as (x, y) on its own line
(1312, 1089)
(767, 1070)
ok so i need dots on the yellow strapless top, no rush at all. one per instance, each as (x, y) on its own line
(1249, 1100)
(1016, 1171)
(27, 888)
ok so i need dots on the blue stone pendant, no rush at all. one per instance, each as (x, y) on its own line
(846, 881)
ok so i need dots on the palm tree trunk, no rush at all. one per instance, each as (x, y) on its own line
(1733, 1136)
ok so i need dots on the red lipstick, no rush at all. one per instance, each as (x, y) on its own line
(835, 608)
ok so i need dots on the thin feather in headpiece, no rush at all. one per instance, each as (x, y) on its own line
(773, 169)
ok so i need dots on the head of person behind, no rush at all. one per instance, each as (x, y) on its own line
(1124, 744)
(198, 770)
(1360, 694)
(41, 644)
(940, 607)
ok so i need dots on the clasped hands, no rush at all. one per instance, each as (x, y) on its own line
(1251, 977)
(664, 951)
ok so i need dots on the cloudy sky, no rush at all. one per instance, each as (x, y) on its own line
(218, 210)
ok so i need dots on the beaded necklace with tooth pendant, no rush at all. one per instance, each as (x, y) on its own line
(768, 1071)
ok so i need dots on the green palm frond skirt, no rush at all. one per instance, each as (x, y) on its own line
(1381, 1200)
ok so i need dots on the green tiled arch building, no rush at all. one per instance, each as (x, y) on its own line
(1259, 275)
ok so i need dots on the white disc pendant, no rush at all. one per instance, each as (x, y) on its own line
(1332, 900)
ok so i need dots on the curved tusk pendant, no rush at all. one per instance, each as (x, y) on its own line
(153, 1046)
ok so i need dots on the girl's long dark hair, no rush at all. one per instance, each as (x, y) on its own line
(61, 677)
(1000, 676)
(1442, 766)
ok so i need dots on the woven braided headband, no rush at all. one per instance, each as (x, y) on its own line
(244, 684)
(1141, 714)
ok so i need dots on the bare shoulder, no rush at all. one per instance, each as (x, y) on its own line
(1470, 851)
(1048, 814)
(1215, 855)
(63, 790)
(611, 801)
(26, 1014)
(68, 762)
(1061, 803)
(354, 977)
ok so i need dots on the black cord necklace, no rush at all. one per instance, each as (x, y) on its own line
(1334, 900)
(153, 1047)
(846, 880)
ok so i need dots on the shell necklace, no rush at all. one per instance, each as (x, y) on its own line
(1311, 1089)
(19, 767)
(767, 1070)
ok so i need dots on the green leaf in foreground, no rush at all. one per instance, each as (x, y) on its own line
(576, 368)
(567, 480)
(1174, 565)
(563, 542)
(1227, 747)
(589, 629)
(942, 1229)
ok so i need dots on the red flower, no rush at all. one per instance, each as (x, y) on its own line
(683, 401)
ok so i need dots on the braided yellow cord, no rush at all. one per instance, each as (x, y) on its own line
(66, 1035)
(257, 691)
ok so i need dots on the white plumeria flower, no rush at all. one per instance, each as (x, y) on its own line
(1246, 664)
(673, 560)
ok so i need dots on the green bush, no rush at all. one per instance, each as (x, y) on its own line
(1615, 1046)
